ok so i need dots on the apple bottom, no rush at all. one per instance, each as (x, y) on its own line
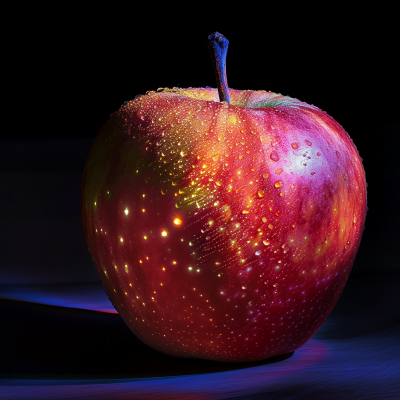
(188, 309)
(230, 347)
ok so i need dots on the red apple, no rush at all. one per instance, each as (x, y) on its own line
(223, 230)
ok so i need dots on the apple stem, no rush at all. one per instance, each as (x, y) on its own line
(217, 45)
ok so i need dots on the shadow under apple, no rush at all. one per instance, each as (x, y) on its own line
(44, 342)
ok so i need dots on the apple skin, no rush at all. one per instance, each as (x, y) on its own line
(223, 231)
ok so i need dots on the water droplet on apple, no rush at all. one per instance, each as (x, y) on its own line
(274, 156)
(294, 145)
(318, 154)
(258, 252)
(265, 175)
(312, 173)
(279, 171)
(274, 143)
(308, 142)
(260, 193)
(278, 184)
(266, 243)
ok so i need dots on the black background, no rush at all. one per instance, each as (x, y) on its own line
(67, 68)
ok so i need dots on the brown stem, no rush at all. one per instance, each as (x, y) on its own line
(217, 45)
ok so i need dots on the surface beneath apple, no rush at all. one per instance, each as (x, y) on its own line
(223, 231)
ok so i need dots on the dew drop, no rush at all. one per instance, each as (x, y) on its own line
(318, 154)
(218, 183)
(270, 226)
(279, 171)
(274, 156)
(266, 243)
(258, 252)
(312, 173)
(278, 184)
(274, 143)
(245, 212)
(260, 193)
(265, 175)
(308, 142)
(264, 219)
(294, 145)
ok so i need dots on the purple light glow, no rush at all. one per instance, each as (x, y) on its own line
(269, 377)
(89, 296)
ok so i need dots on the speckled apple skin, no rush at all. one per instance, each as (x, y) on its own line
(223, 231)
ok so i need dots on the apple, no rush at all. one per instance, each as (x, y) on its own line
(223, 223)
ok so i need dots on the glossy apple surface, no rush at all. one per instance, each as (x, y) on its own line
(223, 231)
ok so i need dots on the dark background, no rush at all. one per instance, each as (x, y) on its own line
(67, 68)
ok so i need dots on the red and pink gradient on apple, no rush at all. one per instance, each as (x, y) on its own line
(223, 231)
